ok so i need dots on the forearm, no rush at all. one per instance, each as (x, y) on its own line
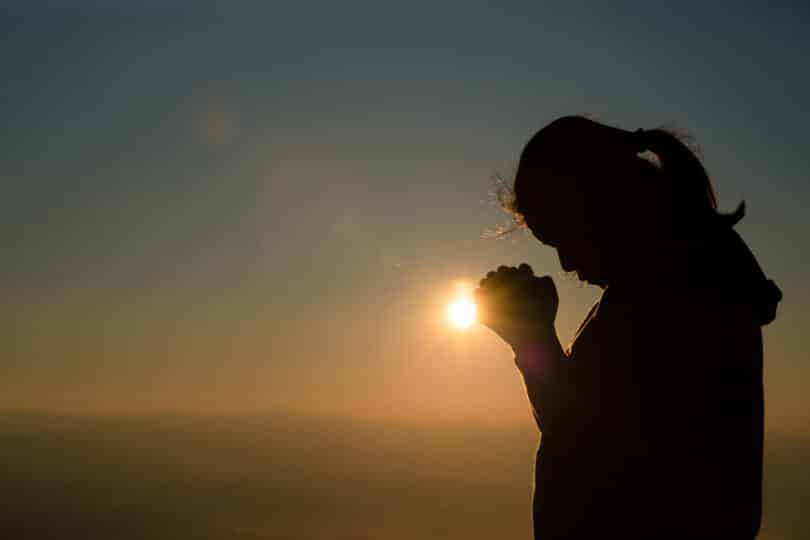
(544, 366)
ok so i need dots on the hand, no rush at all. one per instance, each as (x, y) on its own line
(517, 305)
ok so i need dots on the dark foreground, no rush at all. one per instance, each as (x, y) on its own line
(280, 476)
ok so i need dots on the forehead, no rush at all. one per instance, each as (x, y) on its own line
(555, 215)
(549, 228)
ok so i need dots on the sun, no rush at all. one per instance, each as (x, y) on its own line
(461, 312)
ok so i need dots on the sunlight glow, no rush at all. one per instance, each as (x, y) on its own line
(461, 312)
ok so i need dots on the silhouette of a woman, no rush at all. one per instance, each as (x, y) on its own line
(652, 419)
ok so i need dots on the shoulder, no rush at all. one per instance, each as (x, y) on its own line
(674, 317)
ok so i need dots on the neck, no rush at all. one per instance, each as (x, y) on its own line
(655, 262)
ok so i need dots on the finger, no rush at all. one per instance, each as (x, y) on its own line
(525, 274)
(486, 279)
(490, 280)
(487, 293)
(492, 293)
(505, 274)
(547, 288)
(545, 283)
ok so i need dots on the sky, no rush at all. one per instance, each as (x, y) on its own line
(260, 206)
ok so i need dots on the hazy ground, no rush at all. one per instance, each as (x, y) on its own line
(296, 478)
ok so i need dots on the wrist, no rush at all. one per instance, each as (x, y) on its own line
(540, 342)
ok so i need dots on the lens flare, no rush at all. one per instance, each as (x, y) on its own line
(461, 312)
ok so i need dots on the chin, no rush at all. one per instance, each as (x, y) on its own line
(593, 278)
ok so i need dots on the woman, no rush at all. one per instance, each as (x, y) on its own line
(652, 420)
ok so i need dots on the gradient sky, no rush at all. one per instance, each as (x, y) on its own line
(232, 209)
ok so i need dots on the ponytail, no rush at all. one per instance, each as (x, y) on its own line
(691, 185)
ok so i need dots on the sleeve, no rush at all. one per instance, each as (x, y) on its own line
(558, 382)
(554, 384)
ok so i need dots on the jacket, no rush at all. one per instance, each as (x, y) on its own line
(652, 422)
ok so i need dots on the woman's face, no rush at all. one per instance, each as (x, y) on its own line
(585, 241)
(580, 253)
(601, 232)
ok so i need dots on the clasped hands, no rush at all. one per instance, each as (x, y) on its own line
(518, 306)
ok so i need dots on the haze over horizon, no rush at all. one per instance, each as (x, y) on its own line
(273, 477)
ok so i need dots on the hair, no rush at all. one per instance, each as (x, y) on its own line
(561, 145)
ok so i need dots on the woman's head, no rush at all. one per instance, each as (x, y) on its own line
(585, 189)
